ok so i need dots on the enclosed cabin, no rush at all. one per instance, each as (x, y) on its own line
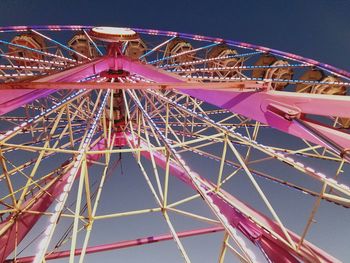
(269, 67)
(135, 49)
(81, 44)
(26, 55)
(180, 52)
(317, 75)
(225, 59)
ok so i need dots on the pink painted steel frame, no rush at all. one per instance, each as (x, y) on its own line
(259, 106)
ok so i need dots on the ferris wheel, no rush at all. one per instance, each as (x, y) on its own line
(214, 137)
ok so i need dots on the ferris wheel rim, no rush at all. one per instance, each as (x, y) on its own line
(327, 67)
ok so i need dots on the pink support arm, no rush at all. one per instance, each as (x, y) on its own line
(255, 105)
(14, 98)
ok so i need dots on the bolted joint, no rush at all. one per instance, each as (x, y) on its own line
(284, 110)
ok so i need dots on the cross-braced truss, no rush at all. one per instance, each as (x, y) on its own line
(229, 140)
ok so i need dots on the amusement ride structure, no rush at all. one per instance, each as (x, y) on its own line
(193, 112)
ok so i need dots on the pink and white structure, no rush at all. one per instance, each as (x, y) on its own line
(160, 96)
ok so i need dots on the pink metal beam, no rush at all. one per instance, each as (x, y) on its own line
(12, 99)
(124, 244)
(22, 223)
(239, 85)
(262, 105)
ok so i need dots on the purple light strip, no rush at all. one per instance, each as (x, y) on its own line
(326, 67)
